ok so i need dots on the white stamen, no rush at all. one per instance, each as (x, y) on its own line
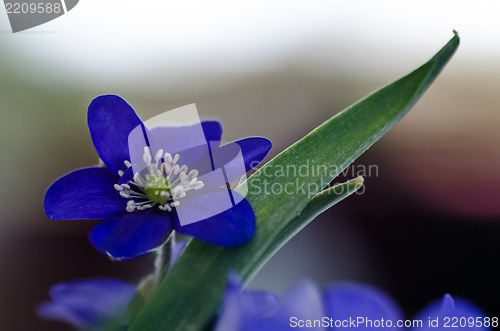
(120, 173)
(168, 158)
(166, 168)
(193, 174)
(158, 155)
(138, 180)
(177, 191)
(182, 176)
(165, 208)
(147, 156)
(176, 169)
(169, 180)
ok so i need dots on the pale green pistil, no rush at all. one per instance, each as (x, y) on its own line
(157, 189)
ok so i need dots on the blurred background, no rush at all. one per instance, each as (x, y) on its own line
(428, 220)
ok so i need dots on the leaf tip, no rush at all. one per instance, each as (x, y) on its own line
(455, 32)
(358, 181)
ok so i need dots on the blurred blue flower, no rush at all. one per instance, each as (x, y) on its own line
(89, 304)
(95, 304)
(140, 202)
(344, 305)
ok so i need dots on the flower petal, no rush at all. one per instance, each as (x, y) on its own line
(212, 130)
(234, 309)
(127, 235)
(302, 301)
(345, 300)
(110, 120)
(254, 150)
(83, 194)
(54, 311)
(88, 303)
(179, 138)
(450, 307)
(127, 176)
(238, 157)
(241, 310)
(232, 227)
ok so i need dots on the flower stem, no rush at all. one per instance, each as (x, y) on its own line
(163, 258)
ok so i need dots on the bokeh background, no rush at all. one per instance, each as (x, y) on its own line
(428, 220)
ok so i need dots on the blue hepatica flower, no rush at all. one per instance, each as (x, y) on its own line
(340, 306)
(157, 180)
(93, 304)
(89, 304)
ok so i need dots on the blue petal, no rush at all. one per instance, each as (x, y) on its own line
(348, 300)
(190, 142)
(110, 120)
(54, 311)
(83, 194)
(232, 227)
(254, 150)
(241, 310)
(180, 138)
(234, 313)
(450, 308)
(303, 301)
(236, 158)
(88, 303)
(127, 176)
(212, 130)
(128, 235)
(255, 302)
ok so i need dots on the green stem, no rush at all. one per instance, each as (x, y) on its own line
(163, 258)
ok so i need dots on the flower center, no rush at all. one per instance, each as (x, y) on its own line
(162, 183)
(157, 188)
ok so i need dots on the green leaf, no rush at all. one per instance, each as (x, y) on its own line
(189, 296)
(318, 204)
